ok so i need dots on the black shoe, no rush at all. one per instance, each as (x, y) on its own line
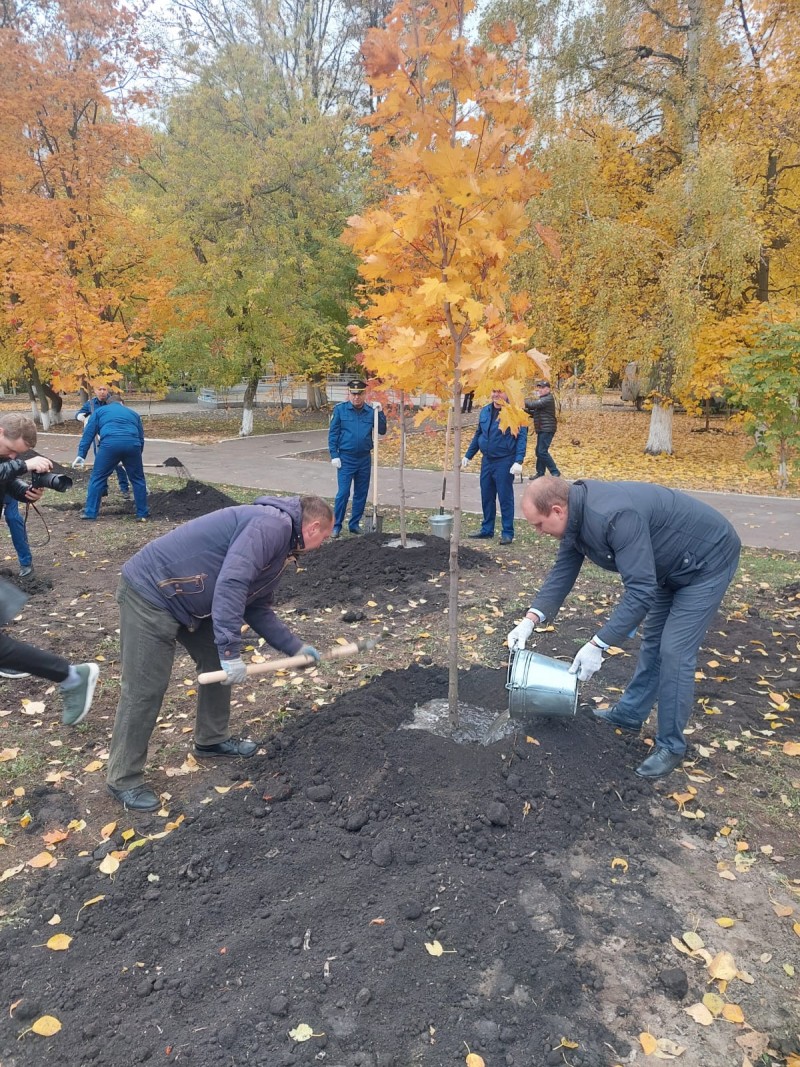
(533, 477)
(234, 746)
(506, 540)
(26, 571)
(357, 532)
(336, 533)
(137, 798)
(660, 764)
(481, 536)
(607, 715)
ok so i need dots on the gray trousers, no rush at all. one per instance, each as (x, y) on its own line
(147, 651)
(673, 632)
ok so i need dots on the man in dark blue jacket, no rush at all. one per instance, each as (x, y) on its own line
(350, 445)
(197, 586)
(101, 398)
(545, 422)
(503, 454)
(676, 556)
(121, 441)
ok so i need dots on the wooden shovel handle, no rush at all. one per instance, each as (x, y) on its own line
(288, 662)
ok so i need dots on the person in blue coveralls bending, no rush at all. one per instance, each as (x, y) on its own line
(503, 453)
(121, 441)
(350, 445)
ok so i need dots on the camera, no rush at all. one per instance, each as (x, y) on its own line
(59, 482)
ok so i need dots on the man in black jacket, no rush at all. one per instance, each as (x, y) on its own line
(676, 556)
(543, 412)
(17, 659)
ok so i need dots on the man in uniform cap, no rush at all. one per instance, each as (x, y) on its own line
(350, 445)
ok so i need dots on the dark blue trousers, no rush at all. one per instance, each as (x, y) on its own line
(497, 483)
(129, 454)
(352, 473)
(544, 461)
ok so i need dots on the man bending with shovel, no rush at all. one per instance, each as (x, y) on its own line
(197, 586)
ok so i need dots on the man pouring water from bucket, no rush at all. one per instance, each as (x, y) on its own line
(676, 557)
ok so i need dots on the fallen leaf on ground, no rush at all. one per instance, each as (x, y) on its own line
(108, 866)
(791, 748)
(42, 859)
(59, 942)
(648, 1043)
(733, 1013)
(714, 1003)
(9, 872)
(474, 1060)
(693, 940)
(46, 1026)
(723, 966)
(619, 862)
(700, 1014)
(725, 923)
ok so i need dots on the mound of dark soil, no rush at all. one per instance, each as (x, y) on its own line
(354, 570)
(308, 894)
(189, 502)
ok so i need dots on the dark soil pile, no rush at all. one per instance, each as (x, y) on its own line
(189, 502)
(354, 570)
(308, 894)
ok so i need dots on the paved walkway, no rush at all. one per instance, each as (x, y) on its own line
(275, 462)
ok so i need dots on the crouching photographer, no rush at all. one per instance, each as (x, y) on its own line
(17, 659)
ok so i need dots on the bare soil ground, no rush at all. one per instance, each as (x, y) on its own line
(302, 887)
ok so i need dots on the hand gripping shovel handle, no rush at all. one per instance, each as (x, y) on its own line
(364, 644)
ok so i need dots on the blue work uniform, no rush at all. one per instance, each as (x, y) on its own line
(88, 409)
(121, 441)
(499, 449)
(350, 440)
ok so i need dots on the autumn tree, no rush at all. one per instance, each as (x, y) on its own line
(767, 380)
(73, 265)
(450, 141)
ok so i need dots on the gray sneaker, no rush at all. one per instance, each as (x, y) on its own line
(77, 701)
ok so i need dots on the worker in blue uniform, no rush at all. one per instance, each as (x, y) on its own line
(503, 453)
(121, 441)
(101, 398)
(350, 445)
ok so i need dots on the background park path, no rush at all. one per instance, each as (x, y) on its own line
(275, 463)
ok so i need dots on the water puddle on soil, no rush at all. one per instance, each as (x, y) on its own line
(475, 725)
(396, 542)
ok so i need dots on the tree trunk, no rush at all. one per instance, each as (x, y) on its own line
(765, 257)
(251, 389)
(403, 532)
(452, 688)
(707, 406)
(56, 404)
(316, 396)
(783, 465)
(659, 442)
(40, 405)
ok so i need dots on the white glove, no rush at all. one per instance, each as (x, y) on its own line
(337, 463)
(78, 463)
(518, 637)
(464, 463)
(588, 662)
(81, 417)
(236, 670)
(516, 468)
(377, 406)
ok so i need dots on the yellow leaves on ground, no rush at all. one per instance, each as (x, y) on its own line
(435, 948)
(723, 967)
(791, 748)
(45, 1026)
(661, 1048)
(8, 754)
(107, 830)
(59, 942)
(474, 1060)
(303, 1032)
(619, 862)
(725, 922)
(700, 1013)
(93, 900)
(42, 859)
(109, 865)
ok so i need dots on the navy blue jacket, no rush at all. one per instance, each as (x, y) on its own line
(93, 403)
(653, 536)
(116, 425)
(224, 566)
(495, 444)
(350, 433)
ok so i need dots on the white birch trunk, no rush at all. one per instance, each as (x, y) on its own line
(659, 442)
(246, 428)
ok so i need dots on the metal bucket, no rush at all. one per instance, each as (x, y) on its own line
(441, 526)
(538, 685)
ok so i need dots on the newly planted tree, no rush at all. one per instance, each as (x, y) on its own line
(451, 148)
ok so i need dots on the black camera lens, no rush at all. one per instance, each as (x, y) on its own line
(59, 482)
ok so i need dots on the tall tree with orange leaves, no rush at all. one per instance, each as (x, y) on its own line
(450, 139)
(74, 287)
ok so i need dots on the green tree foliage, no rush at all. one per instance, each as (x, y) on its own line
(254, 191)
(767, 381)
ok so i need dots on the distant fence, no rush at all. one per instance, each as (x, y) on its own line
(291, 390)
